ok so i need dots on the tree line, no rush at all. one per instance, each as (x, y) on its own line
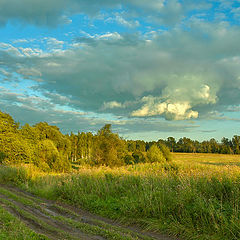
(225, 146)
(46, 147)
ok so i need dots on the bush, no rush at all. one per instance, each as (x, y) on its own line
(166, 152)
(129, 159)
(15, 175)
(2, 157)
(62, 164)
(154, 154)
(139, 157)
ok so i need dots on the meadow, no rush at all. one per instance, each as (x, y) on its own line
(196, 196)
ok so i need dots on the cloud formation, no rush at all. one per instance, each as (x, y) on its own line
(175, 74)
(151, 60)
(55, 12)
(26, 109)
(138, 77)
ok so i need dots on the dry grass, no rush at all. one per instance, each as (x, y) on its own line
(197, 196)
(205, 164)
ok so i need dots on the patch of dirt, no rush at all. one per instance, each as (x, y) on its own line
(57, 228)
(30, 223)
(48, 210)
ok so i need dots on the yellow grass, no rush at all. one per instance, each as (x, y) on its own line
(206, 164)
(196, 196)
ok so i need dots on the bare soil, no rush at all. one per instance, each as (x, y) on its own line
(45, 218)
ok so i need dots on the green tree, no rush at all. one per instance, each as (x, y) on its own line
(171, 143)
(225, 146)
(47, 154)
(131, 145)
(165, 151)
(109, 149)
(140, 146)
(236, 144)
(13, 146)
(214, 145)
(129, 159)
(139, 157)
(154, 154)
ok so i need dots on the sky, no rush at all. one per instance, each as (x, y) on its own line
(151, 68)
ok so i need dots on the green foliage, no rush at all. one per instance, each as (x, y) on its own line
(46, 147)
(43, 145)
(13, 228)
(49, 157)
(155, 196)
(13, 147)
(139, 157)
(47, 132)
(16, 175)
(129, 159)
(7, 123)
(2, 157)
(47, 153)
(154, 154)
(62, 164)
(226, 146)
(166, 152)
(108, 149)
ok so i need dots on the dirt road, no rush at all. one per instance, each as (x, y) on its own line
(59, 221)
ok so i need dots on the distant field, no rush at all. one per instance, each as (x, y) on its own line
(208, 164)
(203, 158)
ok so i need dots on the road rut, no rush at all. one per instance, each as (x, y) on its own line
(59, 221)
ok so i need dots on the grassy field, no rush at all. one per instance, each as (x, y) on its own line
(13, 228)
(197, 196)
(206, 164)
(52, 220)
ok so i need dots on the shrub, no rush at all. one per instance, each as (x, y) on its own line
(15, 175)
(139, 157)
(2, 157)
(129, 159)
(154, 154)
(166, 152)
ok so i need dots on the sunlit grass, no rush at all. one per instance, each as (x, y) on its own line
(13, 228)
(209, 165)
(196, 196)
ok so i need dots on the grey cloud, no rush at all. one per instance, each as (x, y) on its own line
(182, 74)
(32, 109)
(233, 109)
(208, 131)
(35, 109)
(40, 12)
(54, 12)
(150, 125)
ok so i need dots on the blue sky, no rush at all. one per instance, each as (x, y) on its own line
(151, 68)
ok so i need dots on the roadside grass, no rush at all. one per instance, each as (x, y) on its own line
(195, 197)
(13, 228)
(187, 207)
(97, 227)
(26, 215)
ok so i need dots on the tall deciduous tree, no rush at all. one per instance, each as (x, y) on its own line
(109, 149)
(13, 147)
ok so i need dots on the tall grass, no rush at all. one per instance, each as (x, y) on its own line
(160, 197)
(21, 174)
(186, 206)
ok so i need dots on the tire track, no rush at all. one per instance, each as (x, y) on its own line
(61, 221)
